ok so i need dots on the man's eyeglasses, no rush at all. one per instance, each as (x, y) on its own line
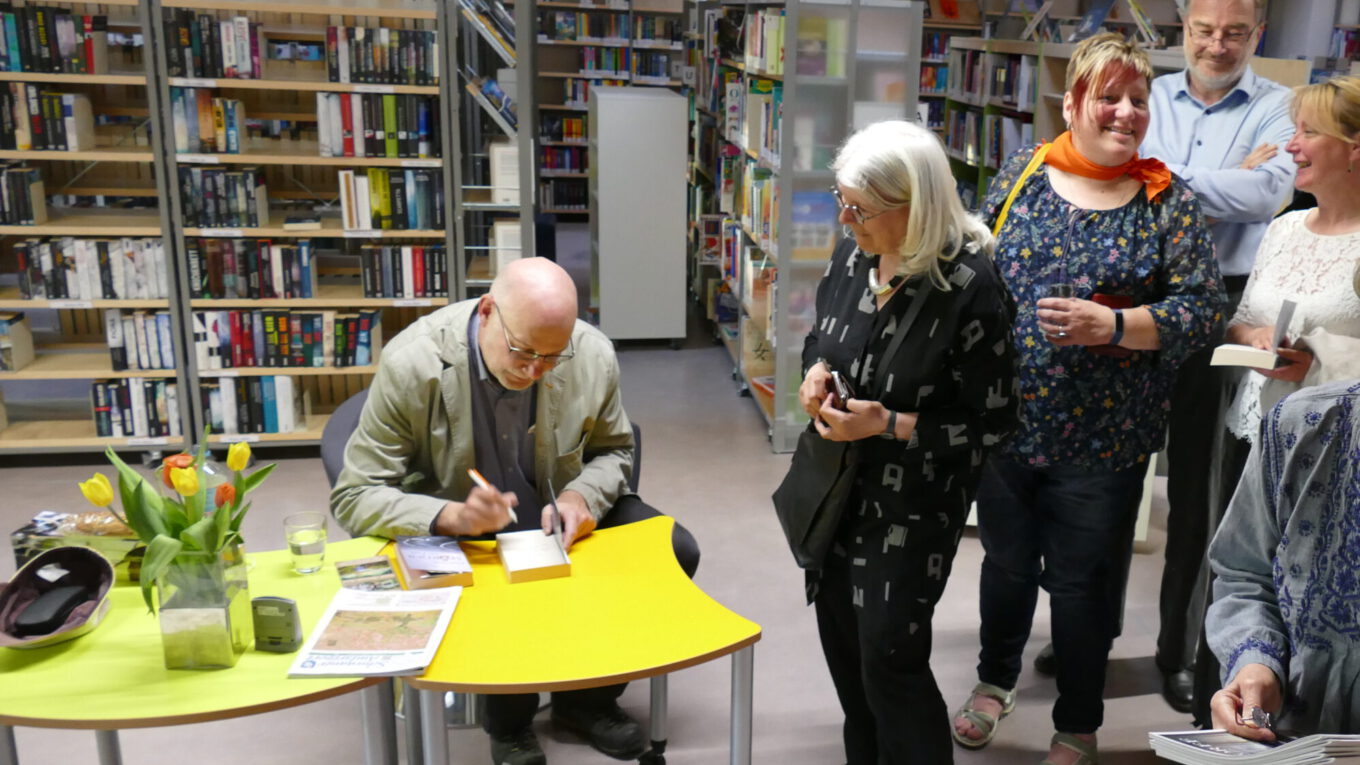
(1233, 37)
(856, 211)
(526, 356)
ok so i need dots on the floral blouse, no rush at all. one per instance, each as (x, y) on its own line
(1084, 409)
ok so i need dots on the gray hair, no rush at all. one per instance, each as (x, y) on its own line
(897, 163)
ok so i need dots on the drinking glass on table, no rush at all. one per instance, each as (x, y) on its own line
(1061, 290)
(306, 535)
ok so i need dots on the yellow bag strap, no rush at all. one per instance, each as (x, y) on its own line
(1034, 162)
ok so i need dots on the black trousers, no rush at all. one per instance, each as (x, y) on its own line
(1067, 530)
(1198, 487)
(510, 713)
(874, 600)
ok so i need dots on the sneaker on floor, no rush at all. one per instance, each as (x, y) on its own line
(519, 748)
(610, 730)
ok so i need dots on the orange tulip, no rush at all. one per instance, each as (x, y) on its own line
(226, 493)
(175, 461)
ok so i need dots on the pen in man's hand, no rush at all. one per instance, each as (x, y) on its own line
(481, 481)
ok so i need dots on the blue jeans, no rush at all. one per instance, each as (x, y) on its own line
(1065, 529)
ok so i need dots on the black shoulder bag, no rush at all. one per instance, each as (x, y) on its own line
(812, 497)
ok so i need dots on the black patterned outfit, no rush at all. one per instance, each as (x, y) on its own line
(877, 591)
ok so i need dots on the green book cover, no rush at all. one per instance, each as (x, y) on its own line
(390, 124)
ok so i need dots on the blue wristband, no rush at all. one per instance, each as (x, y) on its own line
(1118, 327)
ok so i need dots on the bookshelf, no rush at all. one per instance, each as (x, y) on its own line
(51, 271)
(492, 142)
(129, 186)
(778, 88)
(581, 46)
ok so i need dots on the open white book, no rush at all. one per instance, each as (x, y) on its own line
(1206, 747)
(377, 632)
(1235, 355)
(528, 556)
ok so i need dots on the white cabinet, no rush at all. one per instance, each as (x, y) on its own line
(637, 199)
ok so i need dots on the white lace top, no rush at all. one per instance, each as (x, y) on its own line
(1315, 272)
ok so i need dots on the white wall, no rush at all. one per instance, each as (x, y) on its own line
(1300, 28)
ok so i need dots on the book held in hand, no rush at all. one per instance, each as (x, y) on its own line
(377, 633)
(432, 562)
(1235, 355)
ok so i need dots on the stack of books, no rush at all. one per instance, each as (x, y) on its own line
(1209, 747)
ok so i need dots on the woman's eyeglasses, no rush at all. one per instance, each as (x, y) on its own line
(526, 356)
(856, 211)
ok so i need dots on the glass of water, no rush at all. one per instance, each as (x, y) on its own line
(306, 535)
(1061, 290)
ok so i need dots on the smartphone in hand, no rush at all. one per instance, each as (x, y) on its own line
(842, 389)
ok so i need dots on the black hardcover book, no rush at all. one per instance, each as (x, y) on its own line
(174, 53)
(106, 270)
(99, 394)
(396, 185)
(215, 37)
(59, 122)
(198, 280)
(437, 203)
(7, 137)
(243, 423)
(189, 206)
(256, 399)
(124, 396)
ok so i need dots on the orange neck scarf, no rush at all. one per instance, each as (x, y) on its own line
(1152, 173)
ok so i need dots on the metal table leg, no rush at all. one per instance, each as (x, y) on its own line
(9, 751)
(106, 741)
(657, 723)
(380, 724)
(743, 673)
(411, 707)
(435, 738)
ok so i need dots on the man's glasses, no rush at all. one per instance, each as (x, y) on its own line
(1234, 37)
(526, 356)
(856, 211)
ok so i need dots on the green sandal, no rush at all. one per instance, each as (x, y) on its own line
(983, 721)
(1086, 753)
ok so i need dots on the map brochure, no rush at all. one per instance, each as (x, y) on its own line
(377, 632)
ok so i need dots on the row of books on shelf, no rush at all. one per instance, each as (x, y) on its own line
(206, 124)
(39, 38)
(587, 26)
(223, 197)
(66, 267)
(494, 17)
(968, 65)
(758, 205)
(963, 134)
(555, 128)
(373, 125)
(562, 159)
(258, 404)
(1014, 82)
(391, 198)
(23, 201)
(1005, 136)
(227, 339)
(604, 62)
(761, 114)
(135, 407)
(576, 90)
(382, 55)
(564, 195)
(252, 269)
(32, 119)
(203, 46)
(822, 45)
(934, 79)
(765, 40)
(139, 339)
(404, 271)
(658, 30)
(931, 113)
(655, 64)
(1345, 44)
(935, 46)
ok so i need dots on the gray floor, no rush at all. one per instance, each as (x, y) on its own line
(708, 463)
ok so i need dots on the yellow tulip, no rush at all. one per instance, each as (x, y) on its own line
(185, 480)
(97, 490)
(238, 456)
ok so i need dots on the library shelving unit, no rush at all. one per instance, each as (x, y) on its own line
(581, 46)
(935, 59)
(299, 92)
(494, 190)
(100, 179)
(785, 85)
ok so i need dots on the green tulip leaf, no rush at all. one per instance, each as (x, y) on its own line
(254, 479)
(159, 552)
(199, 535)
(146, 512)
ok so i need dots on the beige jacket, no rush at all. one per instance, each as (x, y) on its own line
(413, 446)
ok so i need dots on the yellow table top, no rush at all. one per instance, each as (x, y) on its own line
(626, 612)
(115, 676)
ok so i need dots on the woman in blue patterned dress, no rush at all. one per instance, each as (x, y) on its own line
(1058, 499)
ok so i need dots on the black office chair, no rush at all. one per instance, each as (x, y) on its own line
(345, 418)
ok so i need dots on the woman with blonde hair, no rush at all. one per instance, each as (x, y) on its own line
(913, 317)
(1111, 265)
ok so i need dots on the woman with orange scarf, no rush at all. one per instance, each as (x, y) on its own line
(1112, 269)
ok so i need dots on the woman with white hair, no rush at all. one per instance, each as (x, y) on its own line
(914, 316)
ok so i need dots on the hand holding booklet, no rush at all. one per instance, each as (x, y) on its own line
(1236, 355)
(377, 632)
(1206, 747)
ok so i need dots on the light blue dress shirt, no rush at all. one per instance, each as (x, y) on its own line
(1205, 145)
